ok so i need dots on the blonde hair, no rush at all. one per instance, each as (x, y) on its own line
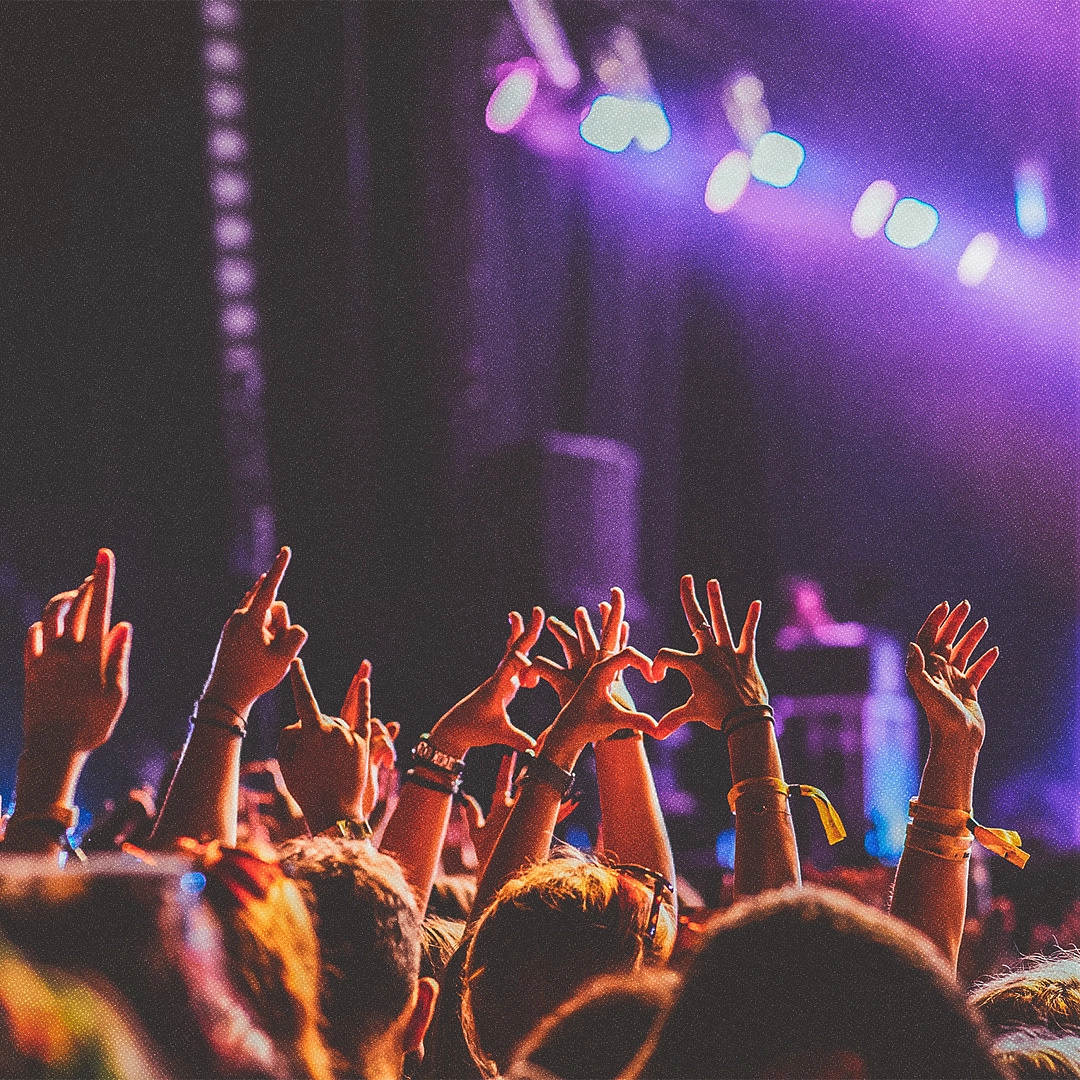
(1044, 992)
(545, 933)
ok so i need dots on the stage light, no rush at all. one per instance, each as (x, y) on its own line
(222, 57)
(613, 123)
(912, 223)
(224, 100)
(873, 209)
(235, 277)
(232, 232)
(229, 188)
(747, 113)
(511, 99)
(608, 124)
(193, 882)
(544, 33)
(238, 320)
(220, 14)
(776, 159)
(1030, 201)
(651, 128)
(978, 259)
(727, 182)
(227, 145)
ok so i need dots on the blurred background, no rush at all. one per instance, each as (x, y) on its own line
(482, 305)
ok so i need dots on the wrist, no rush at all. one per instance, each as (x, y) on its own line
(47, 776)
(321, 819)
(562, 748)
(234, 700)
(948, 779)
(447, 741)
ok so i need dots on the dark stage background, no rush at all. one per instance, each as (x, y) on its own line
(433, 295)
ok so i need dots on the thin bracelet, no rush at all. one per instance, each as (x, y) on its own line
(757, 711)
(746, 721)
(223, 705)
(208, 721)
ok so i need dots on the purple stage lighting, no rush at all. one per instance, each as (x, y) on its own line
(544, 33)
(222, 57)
(776, 159)
(511, 99)
(238, 320)
(235, 277)
(978, 259)
(1030, 201)
(227, 145)
(232, 232)
(220, 14)
(727, 182)
(912, 223)
(224, 100)
(873, 209)
(229, 188)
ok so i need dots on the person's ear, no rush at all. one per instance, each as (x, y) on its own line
(427, 994)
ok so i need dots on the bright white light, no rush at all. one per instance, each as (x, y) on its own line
(1030, 201)
(232, 232)
(229, 188)
(651, 127)
(544, 33)
(873, 209)
(978, 259)
(727, 182)
(912, 223)
(776, 159)
(747, 90)
(747, 113)
(613, 123)
(511, 100)
(227, 145)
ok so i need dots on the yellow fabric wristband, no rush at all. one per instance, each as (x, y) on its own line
(940, 845)
(830, 819)
(1002, 842)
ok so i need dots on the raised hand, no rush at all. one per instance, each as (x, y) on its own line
(722, 676)
(325, 759)
(946, 686)
(257, 644)
(382, 757)
(581, 649)
(481, 718)
(76, 667)
(594, 712)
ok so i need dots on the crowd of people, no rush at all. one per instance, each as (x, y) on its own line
(346, 911)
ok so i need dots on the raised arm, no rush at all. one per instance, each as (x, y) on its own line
(256, 647)
(930, 891)
(76, 668)
(415, 833)
(632, 823)
(728, 693)
(592, 714)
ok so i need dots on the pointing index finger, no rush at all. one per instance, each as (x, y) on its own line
(99, 613)
(267, 591)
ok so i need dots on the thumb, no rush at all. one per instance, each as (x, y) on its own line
(518, 739)
(307, 708)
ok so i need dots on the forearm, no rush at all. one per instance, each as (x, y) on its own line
(414, 837)
(202, 799)
(46, 780)
(633, 823)
(930, 893)
(766, 855)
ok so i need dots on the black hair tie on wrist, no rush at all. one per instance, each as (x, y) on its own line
(744, 715)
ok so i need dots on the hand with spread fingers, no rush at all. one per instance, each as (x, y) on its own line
(581, 649)
(325, 759)
(722, 676)
(481, 718)
(257, 645)
(594, 712)
(945, 684)
(76, 667)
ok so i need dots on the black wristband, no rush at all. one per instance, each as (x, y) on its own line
(207, 721)
(742, 715)
(451, 789)
(542, 768)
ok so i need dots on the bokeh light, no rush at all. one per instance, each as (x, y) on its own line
(873, 209)
(227, 145)
(612, 123)
(747, 113)
(511, 99)
(232, 232)
(229, 188)
(727, 182)
(238, 320)
(235, 276)
(224, 100)
(912, 223)
(978, 259)
(776, 159)
(1030, 201)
